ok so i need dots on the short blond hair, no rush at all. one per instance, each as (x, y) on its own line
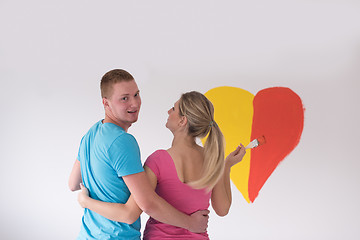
(112, 77)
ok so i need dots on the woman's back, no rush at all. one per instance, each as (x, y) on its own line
(171, 185)
(188, 162)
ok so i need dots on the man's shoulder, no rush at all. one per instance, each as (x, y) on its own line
(107, 133)
(125, 140)
(110, 136)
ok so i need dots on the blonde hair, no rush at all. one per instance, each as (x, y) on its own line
(199, 112)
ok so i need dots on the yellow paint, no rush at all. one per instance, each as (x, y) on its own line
(234, 114)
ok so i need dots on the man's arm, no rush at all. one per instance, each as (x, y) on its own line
(75, 177)
(146, 198)
(129, 212)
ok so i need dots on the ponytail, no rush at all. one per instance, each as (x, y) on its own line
(213, 165)
(200, 114)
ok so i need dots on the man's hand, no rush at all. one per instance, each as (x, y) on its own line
(199, 221)
(83, 195)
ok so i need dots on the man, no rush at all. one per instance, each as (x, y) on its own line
(109, 165)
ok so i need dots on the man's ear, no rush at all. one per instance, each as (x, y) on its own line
(105, 102)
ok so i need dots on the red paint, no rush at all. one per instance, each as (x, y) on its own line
(261, 140)
(279, 116)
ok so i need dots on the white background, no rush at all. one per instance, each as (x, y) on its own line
(53, 54)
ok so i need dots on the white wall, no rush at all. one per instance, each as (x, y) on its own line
(53, 54)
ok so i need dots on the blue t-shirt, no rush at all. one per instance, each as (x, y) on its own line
(106, 154)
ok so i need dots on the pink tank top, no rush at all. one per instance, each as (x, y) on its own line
(178, 194)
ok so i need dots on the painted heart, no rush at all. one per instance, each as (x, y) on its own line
(277, 113)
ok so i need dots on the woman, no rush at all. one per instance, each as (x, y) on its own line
(186, 175)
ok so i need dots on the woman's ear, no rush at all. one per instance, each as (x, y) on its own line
(183, 121)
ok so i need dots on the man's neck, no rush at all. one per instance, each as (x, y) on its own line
(108, 119)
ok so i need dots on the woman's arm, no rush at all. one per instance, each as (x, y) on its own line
(221, 197)
(142, 188)
(127, 213)
(149, 200)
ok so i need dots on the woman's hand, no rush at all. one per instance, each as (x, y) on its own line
(83, 195)
(236, 156)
